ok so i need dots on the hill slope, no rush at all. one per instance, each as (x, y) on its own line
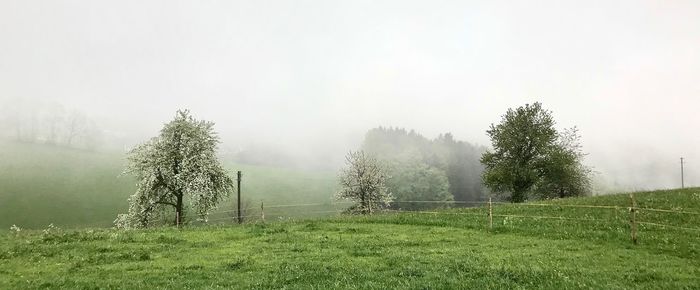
(44, 184)
(582, 248)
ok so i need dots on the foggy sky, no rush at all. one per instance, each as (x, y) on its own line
(312, 76)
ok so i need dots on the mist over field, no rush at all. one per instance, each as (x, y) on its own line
(298, 84)
(326, 144)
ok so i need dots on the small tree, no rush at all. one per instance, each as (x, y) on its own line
(364, 181)
(529, 154)
(180, 163)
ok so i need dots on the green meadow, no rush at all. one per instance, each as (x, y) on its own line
(547, 245)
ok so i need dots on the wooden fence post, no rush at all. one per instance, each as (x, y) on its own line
(262, 211)
(240, 218)
(490, 214)
(633, 218)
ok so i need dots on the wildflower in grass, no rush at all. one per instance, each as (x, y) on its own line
(51, 229)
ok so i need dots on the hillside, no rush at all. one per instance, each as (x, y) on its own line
(44, 184)
(531, 246)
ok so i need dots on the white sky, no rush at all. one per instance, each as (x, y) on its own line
(315, 75)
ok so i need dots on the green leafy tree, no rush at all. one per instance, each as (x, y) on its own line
(364, 182)
(176, 170)
(529, 155)
(565, 174)
(413, 181)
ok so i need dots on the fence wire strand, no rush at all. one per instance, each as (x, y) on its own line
(434, 212)
(667, 210)
(669, 226)
(549, 217)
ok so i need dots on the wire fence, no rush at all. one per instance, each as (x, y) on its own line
(484, 212)
(630, 216)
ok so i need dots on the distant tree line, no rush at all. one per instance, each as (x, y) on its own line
(420, 169)
(50, 124)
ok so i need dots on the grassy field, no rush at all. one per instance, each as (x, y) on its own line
(44, 184)
(439, 250)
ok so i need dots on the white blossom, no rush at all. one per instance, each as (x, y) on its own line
(364, 181)
(176, 170)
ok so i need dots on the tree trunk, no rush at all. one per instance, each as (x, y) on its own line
(518, 195)
(178, 210)
(363, 202)
(178, 191)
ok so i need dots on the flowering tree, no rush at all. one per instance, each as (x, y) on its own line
(180, 163)
(364, 181)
